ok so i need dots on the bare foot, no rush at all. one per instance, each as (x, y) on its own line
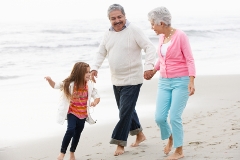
(72, 156)
(168, 147)
(60, 156)
(119, 150)
(175, 156)
(140, 138)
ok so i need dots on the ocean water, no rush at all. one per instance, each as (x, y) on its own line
(31, 50)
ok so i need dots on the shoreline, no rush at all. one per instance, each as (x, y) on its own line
(211, 127)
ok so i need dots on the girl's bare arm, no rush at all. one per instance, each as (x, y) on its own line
(50, 81)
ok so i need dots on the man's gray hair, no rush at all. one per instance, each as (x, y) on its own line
(160, 14)
(114, 7)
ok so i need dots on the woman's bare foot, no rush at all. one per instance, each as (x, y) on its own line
(177, 154)
(72, 156)
(140, 138)
(119, 150)
(168, 147)
(60, 156)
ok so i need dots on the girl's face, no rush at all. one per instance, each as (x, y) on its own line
(87, 74)
(157, 28)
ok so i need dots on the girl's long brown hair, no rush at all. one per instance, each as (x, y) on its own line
(77, 76)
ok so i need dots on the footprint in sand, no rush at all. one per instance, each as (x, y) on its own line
(215, 143)
(187, 122)
(235, 128)
(233, 146)
(195, 143)
(98, 144)
(149, 127)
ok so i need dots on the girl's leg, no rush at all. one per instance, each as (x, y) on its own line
(72, 120)
(78, 130)
(60, 156)
(72, 156)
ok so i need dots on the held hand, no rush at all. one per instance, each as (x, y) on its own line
(93, 75)
(149, 74)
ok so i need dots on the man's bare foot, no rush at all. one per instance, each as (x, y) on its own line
(168, 147)
(140, 138)
(119, 150)
(60, 156)
(175, 156)
(72, 156)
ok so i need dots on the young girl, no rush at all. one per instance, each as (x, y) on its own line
(75, 104)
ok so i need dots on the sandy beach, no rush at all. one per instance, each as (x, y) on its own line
(211, 127)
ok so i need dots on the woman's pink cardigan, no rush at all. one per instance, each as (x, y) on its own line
(179, 60)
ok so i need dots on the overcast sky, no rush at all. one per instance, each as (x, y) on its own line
(41, 10)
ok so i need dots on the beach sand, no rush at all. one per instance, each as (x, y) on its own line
(211, 127)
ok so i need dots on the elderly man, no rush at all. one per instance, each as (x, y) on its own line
(122, 44)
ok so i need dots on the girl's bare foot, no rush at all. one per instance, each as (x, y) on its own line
(168, 147)
(60, 156)
(119, 150)
(72, 156)
(140, 138)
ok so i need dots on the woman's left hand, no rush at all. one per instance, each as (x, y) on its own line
(191, 87)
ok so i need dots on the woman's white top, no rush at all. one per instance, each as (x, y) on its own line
(164, 48)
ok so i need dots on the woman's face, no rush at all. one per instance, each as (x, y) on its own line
(158, 28)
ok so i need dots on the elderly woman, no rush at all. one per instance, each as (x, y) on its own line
(176, 82)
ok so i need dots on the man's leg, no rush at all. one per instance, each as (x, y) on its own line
(126, 98)
(136, 129)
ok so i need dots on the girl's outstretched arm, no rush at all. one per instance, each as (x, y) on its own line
(50, 81)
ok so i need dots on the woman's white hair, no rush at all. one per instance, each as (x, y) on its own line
(160, 14)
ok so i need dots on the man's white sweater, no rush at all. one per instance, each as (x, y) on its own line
(123, 50)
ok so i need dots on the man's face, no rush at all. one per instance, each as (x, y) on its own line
(117, 19)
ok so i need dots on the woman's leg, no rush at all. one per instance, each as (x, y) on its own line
(162, 108)
(180, 97)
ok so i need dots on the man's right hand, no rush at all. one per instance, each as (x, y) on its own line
(93, 75)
